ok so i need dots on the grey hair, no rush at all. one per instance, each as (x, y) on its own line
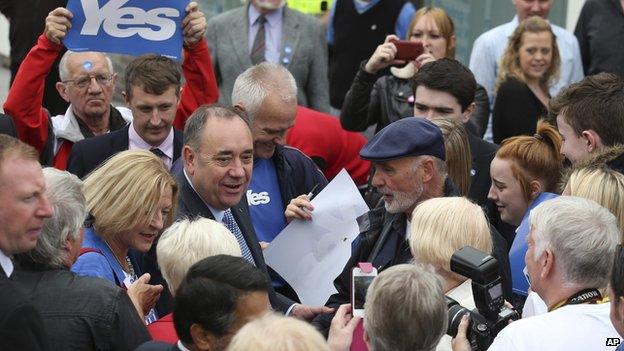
(405, 297)
(64, 191)
(439, 163)
(196, 122)
(254, 85)
(64, 71)
(581, 234)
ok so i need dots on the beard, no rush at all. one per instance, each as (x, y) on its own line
(402, 201)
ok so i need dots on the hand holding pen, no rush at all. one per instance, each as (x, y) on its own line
(300, 207)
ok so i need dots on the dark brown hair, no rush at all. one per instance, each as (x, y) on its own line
(154, 73)
(595, 103)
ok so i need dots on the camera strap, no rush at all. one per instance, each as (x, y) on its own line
(589, 296)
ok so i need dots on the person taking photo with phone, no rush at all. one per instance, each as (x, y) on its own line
(378, 99)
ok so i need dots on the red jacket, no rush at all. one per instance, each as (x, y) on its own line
(320, 135)
(24, 101)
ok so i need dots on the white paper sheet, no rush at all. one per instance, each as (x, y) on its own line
(309, 255)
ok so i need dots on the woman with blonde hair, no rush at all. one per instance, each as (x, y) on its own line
(525, 172)
(381, 100)
(433, 239)
(457, 151)
(273, 332)
(528, 66)
(130, 199)
(601, 184)
(180, 246)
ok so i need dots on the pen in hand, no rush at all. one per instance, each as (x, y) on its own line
(310, 195)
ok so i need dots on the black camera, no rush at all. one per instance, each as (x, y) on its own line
(490, 315)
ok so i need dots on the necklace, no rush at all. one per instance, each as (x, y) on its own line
(130, 267)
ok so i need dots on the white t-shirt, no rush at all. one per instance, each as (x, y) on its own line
(573, 327)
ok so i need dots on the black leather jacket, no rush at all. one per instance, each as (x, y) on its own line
(382, 100)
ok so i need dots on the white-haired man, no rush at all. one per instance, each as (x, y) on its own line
(570, 252)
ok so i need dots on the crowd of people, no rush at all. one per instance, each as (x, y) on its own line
(143, 227)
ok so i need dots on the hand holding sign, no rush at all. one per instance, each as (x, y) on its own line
(132, 27)
(57, 24)
(193, 25)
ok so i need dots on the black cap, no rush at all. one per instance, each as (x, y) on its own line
(410, 136)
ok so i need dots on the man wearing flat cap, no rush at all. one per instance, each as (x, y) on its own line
(408, 157)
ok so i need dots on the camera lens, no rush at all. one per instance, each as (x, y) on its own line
(455, 313)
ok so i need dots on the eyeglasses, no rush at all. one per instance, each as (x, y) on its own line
(83, 82)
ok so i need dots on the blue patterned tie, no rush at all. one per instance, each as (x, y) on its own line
(230, 224)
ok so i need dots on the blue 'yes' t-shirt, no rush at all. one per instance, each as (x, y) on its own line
(265, 200)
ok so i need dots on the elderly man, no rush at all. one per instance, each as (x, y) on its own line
(570, 252)
(408, 157)
(87, 84)
(267, 92)
(81, 313)
(218, 160)
(489, 47)
(152, 94)
(23, 207)
(266, 30)
(403, 297)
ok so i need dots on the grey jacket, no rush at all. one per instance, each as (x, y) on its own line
(303, 53)
(83, 313)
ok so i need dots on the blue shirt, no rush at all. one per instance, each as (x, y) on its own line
(102, 263)
(265, 200)
(272, 32)
(519, 247)
(400, 28)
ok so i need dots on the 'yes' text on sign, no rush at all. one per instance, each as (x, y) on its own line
(130, 27)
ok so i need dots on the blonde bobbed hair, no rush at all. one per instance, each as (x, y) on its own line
(273, 332)
(441, 226)
(187, 242)
(603, 185)
(125, 190)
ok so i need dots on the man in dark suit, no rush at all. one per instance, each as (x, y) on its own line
(446, 88)
(21, 178)
(218, 158)
(218, 296)
(266, 30)
(152, 93)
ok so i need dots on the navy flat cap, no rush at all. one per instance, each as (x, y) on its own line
(410, 136)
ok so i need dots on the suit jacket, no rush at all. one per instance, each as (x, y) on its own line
(88, 154)
(21, 327)
(191, 205)
(303, 53)
(482, 156)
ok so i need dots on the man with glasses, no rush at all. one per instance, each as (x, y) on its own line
(152, 93)
(87, 82)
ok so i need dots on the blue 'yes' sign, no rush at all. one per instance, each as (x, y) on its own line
(132, 27)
